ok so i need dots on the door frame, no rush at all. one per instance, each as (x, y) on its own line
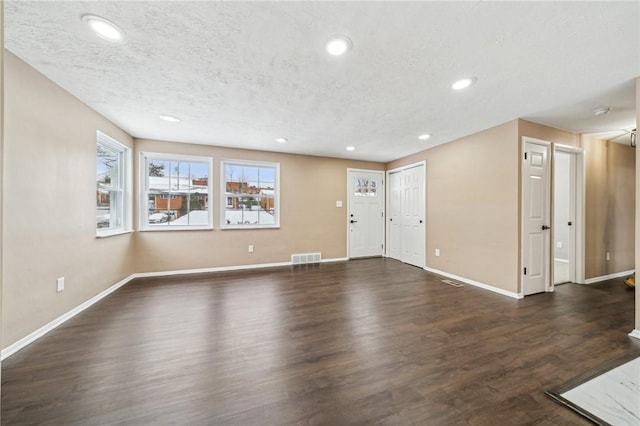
(548, 271)
(383, 193)
(422, 163)
(579, 212)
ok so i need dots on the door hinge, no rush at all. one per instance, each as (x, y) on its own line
(382, 246)
(381, 214)
(525, 271)
(525, 155)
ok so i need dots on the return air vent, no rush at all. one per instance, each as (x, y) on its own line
(302, 258)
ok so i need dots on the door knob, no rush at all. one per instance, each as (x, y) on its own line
(570, 223)
(545, 227)
(354, 221)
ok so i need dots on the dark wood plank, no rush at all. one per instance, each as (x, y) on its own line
(366, 341)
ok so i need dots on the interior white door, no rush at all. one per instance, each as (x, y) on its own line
(413, 216)
(536, 216)
(395, 216)
(366, 213)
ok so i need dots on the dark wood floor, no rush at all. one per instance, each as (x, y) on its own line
(367, 341)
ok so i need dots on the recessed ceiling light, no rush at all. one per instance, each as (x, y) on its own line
(282, 140)
(339, 45)
(424, 137)
(103, 28)
(351, 148)
(169, 118)
(463, 83)
(602, 111)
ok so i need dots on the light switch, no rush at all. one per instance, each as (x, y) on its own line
(339, 203)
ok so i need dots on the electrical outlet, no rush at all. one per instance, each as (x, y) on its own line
(60, 284)
(559, 244)
(608, 256)
(251, 248)
(339, 203)
(437, 252)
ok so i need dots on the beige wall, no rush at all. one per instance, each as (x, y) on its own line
(546, 133)
(472, 206)
(473, 202)
(49, 204)
(610, 207)
(309, 220)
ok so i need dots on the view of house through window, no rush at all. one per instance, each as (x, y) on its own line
(177, 192)
(250, 196)
(111, 192)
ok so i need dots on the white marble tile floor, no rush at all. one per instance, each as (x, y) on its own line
(613, 396)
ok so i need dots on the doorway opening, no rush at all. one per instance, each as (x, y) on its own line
(567, 214)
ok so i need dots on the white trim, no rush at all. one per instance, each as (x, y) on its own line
(143, 199)
(476, 283)
(15, 347)
(555, 259)
(227, 268)
(223, 192)
(408, 166)
(609, 277)
(32, 337)
(635, 334)
(125, 176)
(114, 233)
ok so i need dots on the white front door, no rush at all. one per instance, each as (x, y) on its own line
(536, 200)
(366, 213)
(413, 216)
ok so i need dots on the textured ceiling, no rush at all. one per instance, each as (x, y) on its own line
(242, 74)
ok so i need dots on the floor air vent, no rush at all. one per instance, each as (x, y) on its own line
(302, 258)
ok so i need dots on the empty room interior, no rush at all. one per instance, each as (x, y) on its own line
(317, 212)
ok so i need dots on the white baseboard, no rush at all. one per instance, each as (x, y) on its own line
(476, 283)
(609, 277)
(635, 333)
(227, 268)
(32, 337)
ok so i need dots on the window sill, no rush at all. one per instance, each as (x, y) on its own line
(231, 227)
(177, 228)
(112, 233)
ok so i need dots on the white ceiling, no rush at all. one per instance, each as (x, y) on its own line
(242, 74)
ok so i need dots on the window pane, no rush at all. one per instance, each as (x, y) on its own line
(365, 187)
(107, 166)
(103, 210)
(250, 195)
(110, 185)
(178, 193)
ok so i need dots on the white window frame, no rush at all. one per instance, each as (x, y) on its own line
(223, 193)
(143, 216)
(120, 195)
